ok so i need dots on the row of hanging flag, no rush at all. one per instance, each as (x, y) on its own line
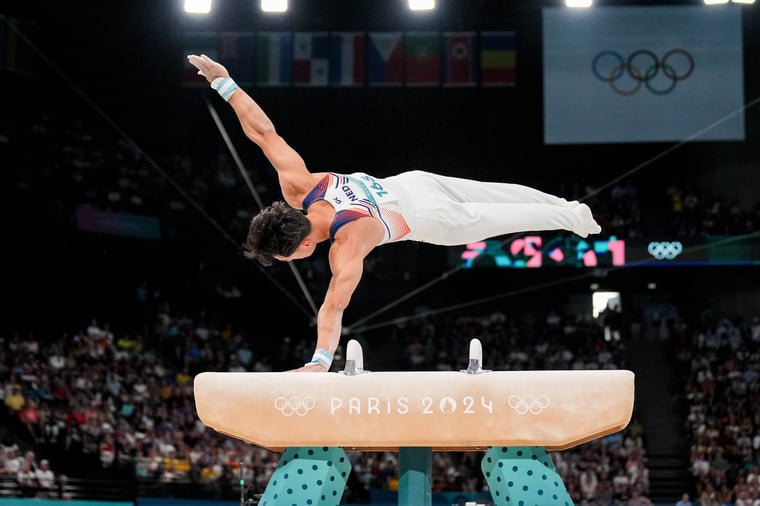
(355, 59)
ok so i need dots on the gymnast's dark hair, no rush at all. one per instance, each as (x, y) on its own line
(276, 230)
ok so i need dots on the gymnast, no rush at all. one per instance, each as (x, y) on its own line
(357, 212)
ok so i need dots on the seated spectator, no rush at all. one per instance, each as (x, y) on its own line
(30, 419)
(589, 483)
(27, 480)
(45, 477)
(14, 399)
(685, 500)
(12, 461)
(638, 498)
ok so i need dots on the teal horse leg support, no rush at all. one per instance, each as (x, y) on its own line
(523, 476)
(415, 477)
(308, 476)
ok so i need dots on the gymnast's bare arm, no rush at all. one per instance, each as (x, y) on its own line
(295, 179)
(352, 244)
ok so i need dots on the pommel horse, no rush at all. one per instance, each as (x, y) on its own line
(515, 417)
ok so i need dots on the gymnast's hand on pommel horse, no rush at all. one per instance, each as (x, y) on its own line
(357, 212)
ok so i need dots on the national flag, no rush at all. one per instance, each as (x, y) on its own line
(459, 59)
(664, 73)
(497, 58)
(385, 59)
(198, 43)
(422, 52)
(348, 58)
(236, 52)
(311, 58)
(274, 58)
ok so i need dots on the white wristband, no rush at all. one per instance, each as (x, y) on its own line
(225, 86)
(321, 357)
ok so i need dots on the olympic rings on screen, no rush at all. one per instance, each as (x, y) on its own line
(665, 250)
(610, 67)
(528, 404)
(293, 405)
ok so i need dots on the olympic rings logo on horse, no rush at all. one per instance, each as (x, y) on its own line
(294, 405)
(528, 404)
(643, 68)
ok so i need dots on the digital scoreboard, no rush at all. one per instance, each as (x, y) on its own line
(533, 251)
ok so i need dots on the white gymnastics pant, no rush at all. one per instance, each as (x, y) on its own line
(451, 211)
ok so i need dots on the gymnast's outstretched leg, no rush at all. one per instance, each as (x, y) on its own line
(453, 211)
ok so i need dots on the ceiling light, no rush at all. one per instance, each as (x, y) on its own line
(274, 5)
(422, 5)
(198, 6)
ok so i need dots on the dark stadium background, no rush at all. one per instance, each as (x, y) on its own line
(123, 61)
(118, 66)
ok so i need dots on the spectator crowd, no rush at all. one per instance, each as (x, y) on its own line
(100, 403)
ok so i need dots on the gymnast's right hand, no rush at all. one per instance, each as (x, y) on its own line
(207, 67)
(310, 368)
